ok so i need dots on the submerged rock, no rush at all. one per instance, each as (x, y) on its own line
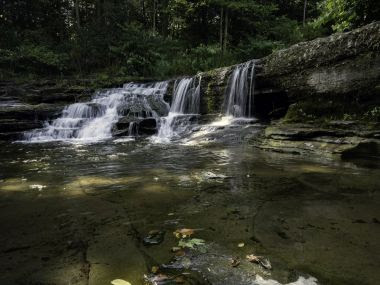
(154, 238)
(135, 126)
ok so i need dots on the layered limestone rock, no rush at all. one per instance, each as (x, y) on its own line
(336, 77)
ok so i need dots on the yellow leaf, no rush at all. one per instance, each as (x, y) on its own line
(184, 233)
(120, 282)
(155, 269)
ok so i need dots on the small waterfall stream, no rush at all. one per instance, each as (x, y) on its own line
(239, 96)
(185, 107)
(121, 111)
(94, 120)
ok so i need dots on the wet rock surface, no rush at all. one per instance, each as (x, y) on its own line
(337, 139)
(133, 126)
(29, 105)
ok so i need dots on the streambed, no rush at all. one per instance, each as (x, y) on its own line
(78, 214)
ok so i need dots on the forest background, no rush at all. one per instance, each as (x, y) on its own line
(160, 38)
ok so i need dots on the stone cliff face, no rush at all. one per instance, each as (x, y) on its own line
(332, 78)
(326, 93)
(328, 78)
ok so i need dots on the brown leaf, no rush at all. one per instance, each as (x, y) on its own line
(253, 258)
(184, 233)
(161, 277)
(235, 262)
(259, 260)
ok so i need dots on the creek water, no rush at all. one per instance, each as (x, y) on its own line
(77, 213)
(83, 207)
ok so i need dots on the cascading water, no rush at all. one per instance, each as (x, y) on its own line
(238, 108)
(185, 106)
(239, 96)
(94, 120)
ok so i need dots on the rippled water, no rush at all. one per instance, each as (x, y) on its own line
(73, 213)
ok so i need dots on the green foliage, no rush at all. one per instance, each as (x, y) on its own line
(175, 37)
(255, 48)
(33, 58)
(373, 115)
(342, 15)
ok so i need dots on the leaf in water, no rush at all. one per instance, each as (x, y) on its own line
(235, 262)
(184, 233)
(191, 243)
(155, 269)
(264, 262)
(120, 282)
(253, 258)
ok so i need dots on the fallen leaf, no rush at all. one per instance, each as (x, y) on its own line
(120, 282)
(241, 244)
(184, 233)
(155, 269)
(235, 262)
(160, 278)
(264, 262)
(253, 258)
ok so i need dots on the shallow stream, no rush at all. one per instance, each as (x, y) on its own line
(74, 213)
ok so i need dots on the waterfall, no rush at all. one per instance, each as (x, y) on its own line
(239, 96)
(185, 107)
(94, 120)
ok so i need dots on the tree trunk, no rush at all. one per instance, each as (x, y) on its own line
(154, 16)
(221, 29)
(77, 13)
(143, 12)
(304, 12)
(225, 31)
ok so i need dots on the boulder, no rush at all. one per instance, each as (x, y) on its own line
(142, 127)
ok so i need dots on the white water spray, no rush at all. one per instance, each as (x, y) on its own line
(185, 106)
(93, 121)
(239, 96)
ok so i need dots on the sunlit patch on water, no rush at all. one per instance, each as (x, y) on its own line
(124, 140)
(301, 281)
(38, 187)
(19, 185)
(14, 185)
(311, 168)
